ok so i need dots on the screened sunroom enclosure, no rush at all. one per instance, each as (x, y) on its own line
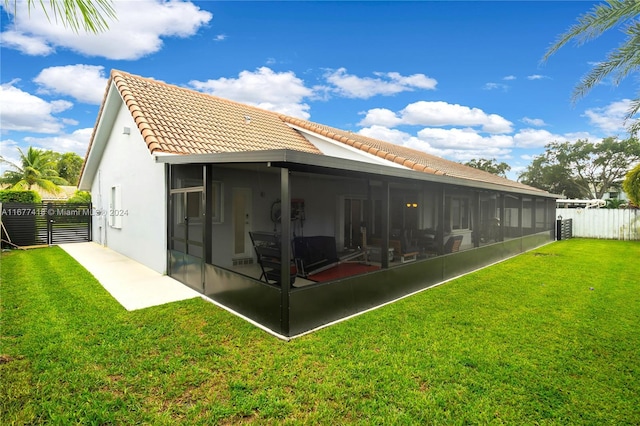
(356, 234)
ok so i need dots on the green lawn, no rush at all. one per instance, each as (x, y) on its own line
(549, 337)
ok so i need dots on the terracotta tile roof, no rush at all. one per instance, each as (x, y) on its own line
(408, 157)
(177, 120)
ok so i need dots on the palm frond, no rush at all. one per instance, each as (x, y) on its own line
(91, 15)
(9, 163)
(38, 168)
(634, 126)
(10, 177)
(21, 185)
(47, 185)
(619, 64)
(593, 23)
(634, 129)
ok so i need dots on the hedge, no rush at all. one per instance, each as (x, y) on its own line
(15, 196)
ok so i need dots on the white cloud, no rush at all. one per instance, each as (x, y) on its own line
(77, 142)
(137, 32)
(381, 117)
(495, 86)
(22, 111)
(463, 155)
(60, 105)
(282, 92)
(537, 77)
(534, 138)
(9, 152)
(509, 77)
(611, 117)
(391, 83)
(463, 139)
(398, 137)
(220, 37)
(85, 83)
(538, 138)
(538, 122)
(574, 136)
(455, 144)
(516, 171)
(438, 113)
(386, 134)
(29, 45)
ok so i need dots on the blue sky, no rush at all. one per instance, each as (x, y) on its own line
(460, 80)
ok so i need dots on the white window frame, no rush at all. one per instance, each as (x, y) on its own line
(115, 207)
(464, 203)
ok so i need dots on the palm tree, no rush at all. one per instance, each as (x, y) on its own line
(92, 15)
(37, 168)
(620, 62)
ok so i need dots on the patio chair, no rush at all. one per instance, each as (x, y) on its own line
(314, 254)
(453, 244)
(408, 250)
(267, 246)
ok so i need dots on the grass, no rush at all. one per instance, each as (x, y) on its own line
(549, 337)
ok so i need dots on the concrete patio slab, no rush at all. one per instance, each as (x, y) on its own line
(132, 284)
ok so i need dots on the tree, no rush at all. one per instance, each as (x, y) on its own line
(37, 168)
(615, 203)
(631, 185)
(68, 167)
(92, 15)
(582, 169)
(554, 178)
(491, 166)
(80, 197)
(620, 62)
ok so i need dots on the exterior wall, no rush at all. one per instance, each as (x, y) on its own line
(127, 163)
(321, 196)
(265, 189)
(617, 195)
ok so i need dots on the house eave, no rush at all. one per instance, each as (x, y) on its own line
(307, 161)
(98, 144)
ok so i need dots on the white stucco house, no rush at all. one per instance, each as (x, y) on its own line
(187, 182)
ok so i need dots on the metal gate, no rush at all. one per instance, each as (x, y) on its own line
(50, 223)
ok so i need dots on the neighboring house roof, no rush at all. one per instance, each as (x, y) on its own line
(176, 120)
(66, 192)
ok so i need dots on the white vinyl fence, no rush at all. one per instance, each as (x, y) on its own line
(612, 224)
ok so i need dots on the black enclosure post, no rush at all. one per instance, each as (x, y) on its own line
(501, 204)
(534, 219)
(475, 224)
(285, 250)
(520, 209)
(168, 169)
(384, 246)
(441, 219)
(208, 214)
